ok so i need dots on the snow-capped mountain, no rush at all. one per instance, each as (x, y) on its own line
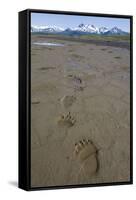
(80, 29)
(115, 31)
(87, 28)
(103, 30)
(46, 29)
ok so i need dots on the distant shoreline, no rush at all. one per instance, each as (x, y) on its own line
(114, 43)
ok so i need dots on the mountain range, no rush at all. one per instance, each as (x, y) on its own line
(79, 30)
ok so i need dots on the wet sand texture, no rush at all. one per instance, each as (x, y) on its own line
(80, 113)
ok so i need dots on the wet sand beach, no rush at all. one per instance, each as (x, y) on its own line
(80, 112)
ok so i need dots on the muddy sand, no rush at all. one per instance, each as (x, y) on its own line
(80, 113)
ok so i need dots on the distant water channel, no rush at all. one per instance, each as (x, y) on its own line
(48, 44)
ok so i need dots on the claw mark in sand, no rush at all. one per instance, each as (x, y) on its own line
(66, 120)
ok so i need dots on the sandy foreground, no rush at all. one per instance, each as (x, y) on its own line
(79, 92)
